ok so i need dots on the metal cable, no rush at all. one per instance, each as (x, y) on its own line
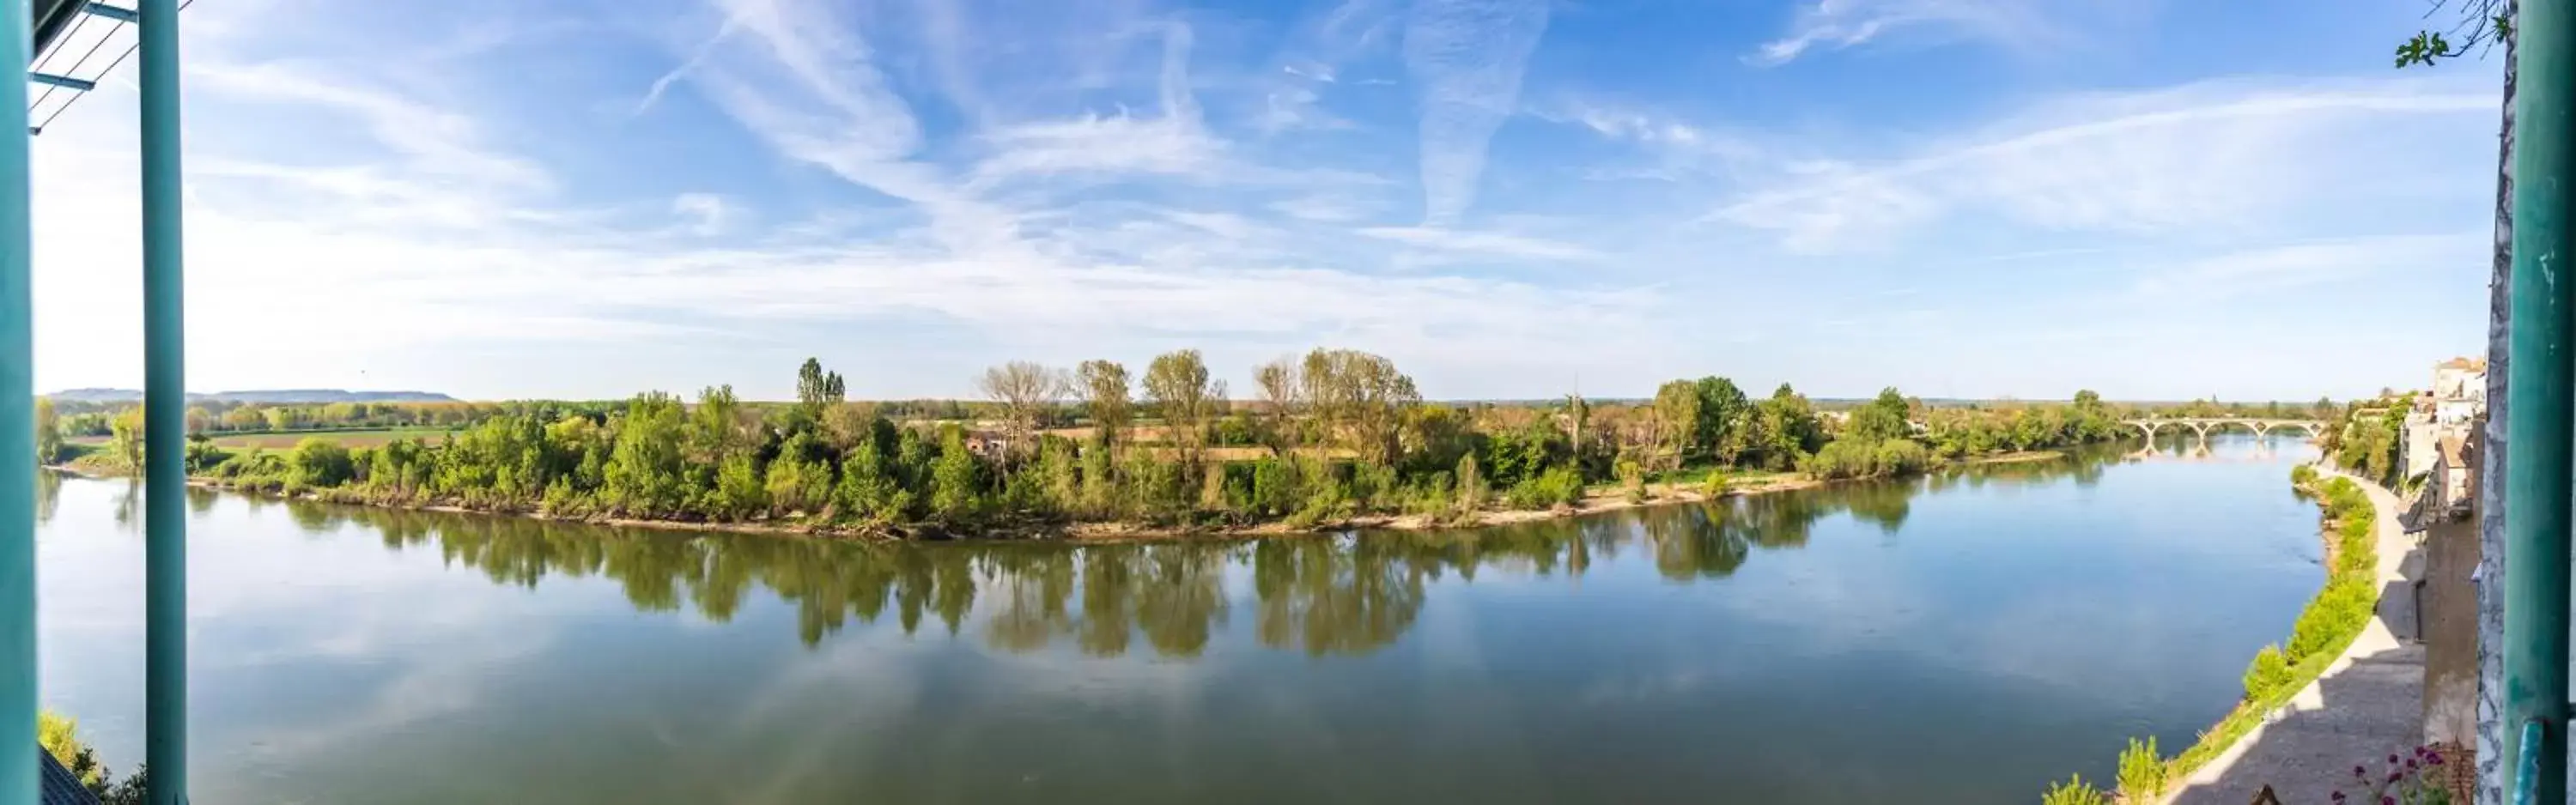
(111, 67)
(39, 66)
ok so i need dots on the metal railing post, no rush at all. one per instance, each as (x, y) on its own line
(2540, 404)
(18, 775)
(165, 405)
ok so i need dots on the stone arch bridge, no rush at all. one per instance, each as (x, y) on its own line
(2202, 426)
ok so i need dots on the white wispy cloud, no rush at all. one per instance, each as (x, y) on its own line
(2217, 155)
(1465, 58)
(706, 213)
(1495, 244)
(428, 139)
(1675, 146)
(2299, 265)
(1837, 24)
(1309, 65)
(465, 240)
(1323, 209)
(797, 179)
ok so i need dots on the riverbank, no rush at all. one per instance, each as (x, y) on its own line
(2362, 703)
(1598, 499)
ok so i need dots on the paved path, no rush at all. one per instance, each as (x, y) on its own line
(2369, 703)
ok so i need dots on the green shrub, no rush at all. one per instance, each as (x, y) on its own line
(1902, 457)
(319, 462)
(1715, 484)
(1854, 457)
(2303, 475)
(1430, 496)
(2074, 792)
(2142, 772)
(2269, 673)
(1561, 486)
(1840, 459)
(1471, 487)
(2332, 618)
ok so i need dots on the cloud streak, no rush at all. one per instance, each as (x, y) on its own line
(912, 192)
(1840, 24)
(1466, 58)
(2202, 156)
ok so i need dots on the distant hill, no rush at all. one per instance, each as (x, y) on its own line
(264, 396)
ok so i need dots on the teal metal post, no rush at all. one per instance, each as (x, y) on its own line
(17, 424)
(165, 404)
(2540, 401)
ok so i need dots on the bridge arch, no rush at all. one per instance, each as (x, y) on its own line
(2202, 426)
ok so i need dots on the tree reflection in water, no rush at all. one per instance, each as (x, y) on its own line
(1323, 595)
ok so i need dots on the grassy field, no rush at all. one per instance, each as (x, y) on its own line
(283, 441)
(350, 438)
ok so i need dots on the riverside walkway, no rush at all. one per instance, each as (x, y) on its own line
(2366, 705)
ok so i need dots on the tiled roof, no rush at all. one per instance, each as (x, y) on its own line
(60, 787)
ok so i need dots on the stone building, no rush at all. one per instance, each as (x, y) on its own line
(2442, 440)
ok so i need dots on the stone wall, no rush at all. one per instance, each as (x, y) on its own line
(2449, 628)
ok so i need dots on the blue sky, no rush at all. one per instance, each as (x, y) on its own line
(1510, 198)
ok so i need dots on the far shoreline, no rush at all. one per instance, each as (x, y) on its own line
(1609, 499)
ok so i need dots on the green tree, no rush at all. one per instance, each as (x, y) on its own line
(1471, 486)
(1786, 429)
(125, 437)
(1025, 390)
(59, 735)
(1281, 384)
(1184, 396)
(1106, 397)
(957, 494)
(644, 473)
(1882, 418)
(868, 488)
(1359, 398)
(1720, 430)
(800, 478)
(740, 490)
(49, 432)
(1676, 414)
(716, 427)
(817, 389)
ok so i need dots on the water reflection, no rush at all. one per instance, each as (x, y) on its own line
(49, 495)
(1325, 595)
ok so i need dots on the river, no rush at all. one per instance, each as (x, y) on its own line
(1961, 638)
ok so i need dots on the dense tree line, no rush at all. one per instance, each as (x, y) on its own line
(1325, 437)
(2369, 439)
(217, 416)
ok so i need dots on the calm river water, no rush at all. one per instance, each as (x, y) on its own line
(1955, 639)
